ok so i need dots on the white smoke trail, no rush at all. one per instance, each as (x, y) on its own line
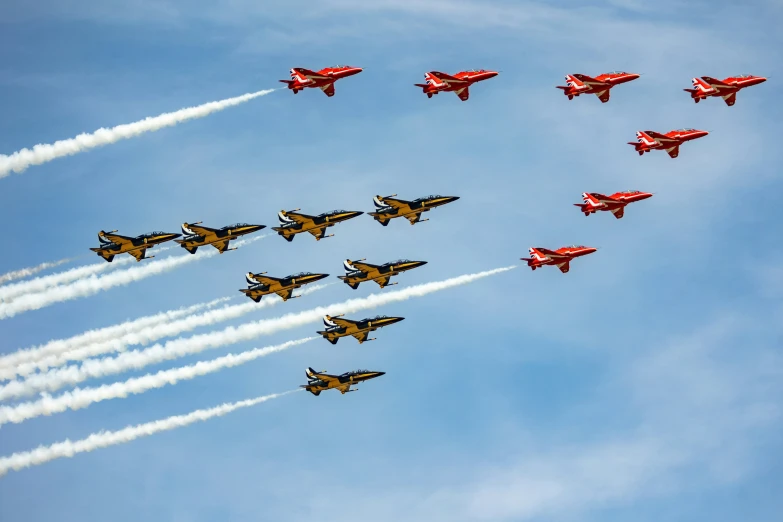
(103, 439)
(44, 283)
(42, 153)
(17, 363)
(137, 359)
(93, 285)
(27, 272)
(83, 397)
(146, 335)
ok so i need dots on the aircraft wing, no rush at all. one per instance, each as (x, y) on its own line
(619, 212)
(716, 84)
(361, 336)
(447, 77)
(414, 218)
(364, 267)
(197, 230)
(588, 80)
(118, 239)
(550, 253)
(285, 294)
(730, 99)
(673, 151)
(328, 89)
(325, 377)
(302, 219)
(383, 281)
(660, 138)
(343, 323)
(312, 75)
(564, 267)
(258, 279)
(603, 96)
(138, 254)
(463, 93)
(222, 246)
(345, 388)
(318, 233)
(394, 203)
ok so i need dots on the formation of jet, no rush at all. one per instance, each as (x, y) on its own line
(670, 142)
(259, 285)
(113, 244)
(324, 79)
(337, 327)
(389, 207)
(321, 381)
(727, 89)
(196, 235)
(357, 272)
(459, 84)
(577, 84)
(561, 257)
(616, 203)
(293, 222)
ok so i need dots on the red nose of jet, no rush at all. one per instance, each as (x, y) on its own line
(643, 195)
(350, 71)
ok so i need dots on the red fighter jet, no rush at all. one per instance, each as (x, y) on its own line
(561, 257)
(324, 79)
(593, 202)
(458, 84)
(670, 142)
(577, 84)
(727, 89)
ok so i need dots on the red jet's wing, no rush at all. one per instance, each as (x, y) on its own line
(447, 77)
(730, 99)
(715, 83)
(328, 89)
(603, 96)
(310, 74)
(673, 151)
(660, 138)
(588, 80)
(463, 93)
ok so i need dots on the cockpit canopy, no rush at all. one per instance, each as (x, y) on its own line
(685, 130)
(398, 261)
(430, 197)
(333, 213)
(237, 225)
(617, 72)
(374, 318)
(745, 76)
(300, 274)
(477, 70)
(576, 246)
(633, 191)
(153, 234)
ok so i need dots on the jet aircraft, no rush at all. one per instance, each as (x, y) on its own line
(670, 142)
(259, 285)
(616, 203)
(324, 79)
(577, 84)
(113, 244)
(357, 272)
(389, 207)
(727, 89)
(337, 327)
(561, 257)
(196, 236)
(321, 381)
(293, 222)
(459, 83)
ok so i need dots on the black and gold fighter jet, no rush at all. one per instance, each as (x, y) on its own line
(336, 327)
(113, 244)
(320, 381)
(390, 207)
(196, 236)
(357, 272)
(259, 285)
(293, 222)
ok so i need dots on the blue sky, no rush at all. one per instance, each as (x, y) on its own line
(644, 384)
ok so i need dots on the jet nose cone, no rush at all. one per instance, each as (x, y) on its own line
(492, 74)
(378, 374)
(353, 214)
(318, 277)
(645, 195)
(417, 264)
(256, 228)
(450, 199)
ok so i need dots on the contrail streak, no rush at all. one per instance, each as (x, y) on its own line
(42, 153)
(146, 335)
(136, 359)
(17, 363)
(27, 272)
(83, 397)
(44, 283)
(93, 285)
(103, 439)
